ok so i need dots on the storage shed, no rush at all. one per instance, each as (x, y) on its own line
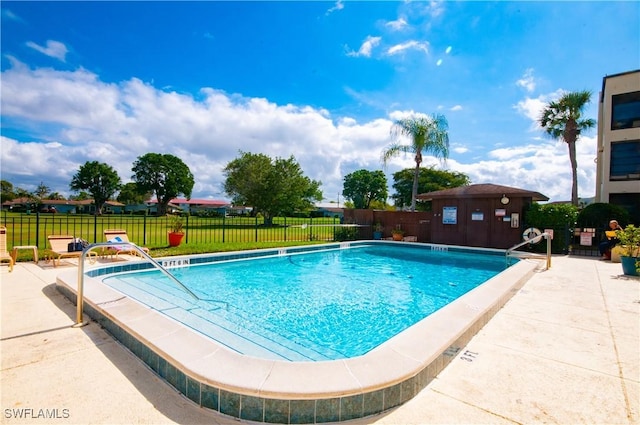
(481, 215)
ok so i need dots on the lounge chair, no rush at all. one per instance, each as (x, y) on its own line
(59, 246)
(4, 254)
(120, 235)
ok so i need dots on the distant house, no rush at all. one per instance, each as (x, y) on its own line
(191, 206)
(61, 206)
(330, 212)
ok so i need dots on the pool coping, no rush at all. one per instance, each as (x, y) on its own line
(278, 391)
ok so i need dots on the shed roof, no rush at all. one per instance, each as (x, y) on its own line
(486, 190)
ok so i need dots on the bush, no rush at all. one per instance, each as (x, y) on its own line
(346, 234)
(599, 214)
(559, 217)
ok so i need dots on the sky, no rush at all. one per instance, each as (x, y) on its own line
(320, 81)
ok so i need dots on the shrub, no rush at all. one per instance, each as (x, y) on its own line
(559, 217)
(346, 234)
(599, 214)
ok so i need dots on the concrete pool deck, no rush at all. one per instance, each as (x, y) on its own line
(564, 349)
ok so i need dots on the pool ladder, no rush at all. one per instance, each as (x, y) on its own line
(511, 251)
(139, 251)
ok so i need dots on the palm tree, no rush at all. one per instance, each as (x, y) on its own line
(428, 134)
(563, 119)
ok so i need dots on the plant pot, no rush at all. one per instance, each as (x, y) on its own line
(377, 235)
(616, 253)
(397, 236)
(629, 265)
(175, 238)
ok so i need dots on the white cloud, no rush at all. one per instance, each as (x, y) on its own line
(134, 118)
(207, 131)
(436, 8)
(448, 50)
(412, 44)
(532, 107)
(456, 108)
(338, 6)
(54, 49)
(6, 13)
(527, 81)
(542, 167)
(397, 25)
(366, 47)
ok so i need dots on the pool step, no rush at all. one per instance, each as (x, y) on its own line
(216, 321)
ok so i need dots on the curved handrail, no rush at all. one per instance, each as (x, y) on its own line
(545, 235)
(80, 289)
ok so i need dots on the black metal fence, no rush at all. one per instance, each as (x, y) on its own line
(33, 229)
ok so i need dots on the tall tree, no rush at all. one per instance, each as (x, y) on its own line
(427, 134)
(99, 179)
(271, 187)
(563, 119)
(429, 180)
(130, 194)
(7, 193)
(363, 187)
(165, 175)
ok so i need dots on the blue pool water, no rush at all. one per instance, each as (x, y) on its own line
(324, 305)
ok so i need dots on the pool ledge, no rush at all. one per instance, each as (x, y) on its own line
(277, 391)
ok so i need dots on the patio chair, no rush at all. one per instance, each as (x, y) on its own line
(120, 235)
(59, 246)
(4, 254)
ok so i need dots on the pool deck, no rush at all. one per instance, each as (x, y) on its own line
(565, 349)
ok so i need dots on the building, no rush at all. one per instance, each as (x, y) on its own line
(618, 158)
(483, 215)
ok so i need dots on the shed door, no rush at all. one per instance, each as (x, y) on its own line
(478, 222)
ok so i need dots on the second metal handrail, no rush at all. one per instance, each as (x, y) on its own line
(80, 289)
(545, 235)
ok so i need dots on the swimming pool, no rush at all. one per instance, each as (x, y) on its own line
(312, 306)
(281, 391)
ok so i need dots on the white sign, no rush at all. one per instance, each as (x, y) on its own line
(586, 238)
(477, 216)
(449, 215)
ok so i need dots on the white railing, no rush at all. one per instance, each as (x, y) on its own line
(536, 239)
(80, 291)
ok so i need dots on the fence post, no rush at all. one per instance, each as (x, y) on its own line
(37, 227)
(144, 228)
(256, 228)
(186, 230)
(224, 226)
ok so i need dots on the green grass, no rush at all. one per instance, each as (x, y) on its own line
(203, 235)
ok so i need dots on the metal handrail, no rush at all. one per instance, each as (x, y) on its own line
(80, 291)
(545, 235)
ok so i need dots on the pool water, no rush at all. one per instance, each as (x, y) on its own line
(324, 305)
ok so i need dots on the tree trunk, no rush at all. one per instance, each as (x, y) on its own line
(570, 136)
(414, 189)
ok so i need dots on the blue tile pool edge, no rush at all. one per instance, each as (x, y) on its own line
(348, 403)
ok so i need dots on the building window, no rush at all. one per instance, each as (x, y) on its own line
(628, 201)
(625, 160)
(625, 110)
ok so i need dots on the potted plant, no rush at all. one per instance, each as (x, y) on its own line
(175, 233)
(397, 234)
(377, 230)
(630, 243)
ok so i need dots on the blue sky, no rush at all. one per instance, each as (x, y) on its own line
(322, 81)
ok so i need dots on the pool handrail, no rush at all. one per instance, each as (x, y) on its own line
(545, 235)
(80, 290)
